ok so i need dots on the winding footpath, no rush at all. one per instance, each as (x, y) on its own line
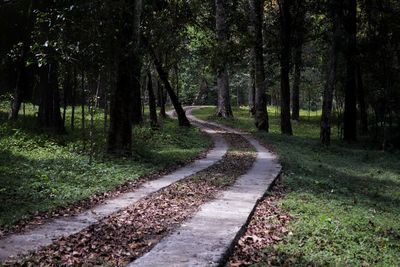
(23, 243)
(205, 239)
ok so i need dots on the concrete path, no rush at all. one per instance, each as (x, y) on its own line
(207, 238)
(19, 244)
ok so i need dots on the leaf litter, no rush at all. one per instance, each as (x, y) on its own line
(126, 235)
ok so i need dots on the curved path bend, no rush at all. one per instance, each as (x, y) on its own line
(23, 243)
(207, 238)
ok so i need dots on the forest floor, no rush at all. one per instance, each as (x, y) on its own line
(334, 206)
(48, 176)
(127, 234)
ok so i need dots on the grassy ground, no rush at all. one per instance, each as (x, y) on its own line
(39, 172)
(344, 200)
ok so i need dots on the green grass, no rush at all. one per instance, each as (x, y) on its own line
(39, 172)
(344, 200)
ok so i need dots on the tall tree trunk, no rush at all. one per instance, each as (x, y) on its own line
(182, 119)
(120, 132)
(67, 91)
(83, 103)
(162, 97)
(350, 108)
(298, 62)
(73, 100)
(261, 114)
(137, 116)
(152, 102)
(361, 101)
(298, 57)
(203, 92)
(252, 85)
(325, 131)
(286, 21)
(224, 101)
(22, 84)
(49, 106)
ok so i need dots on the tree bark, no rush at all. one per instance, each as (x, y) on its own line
(49, 106)
(152, 102)
(161, 99)
(224, 101)
(252, 85)
(120, 132)
(22, 85)
(361, 101)
(298, 57)
(298, 62)
(325, 131)
(286, 21)
(73, 100)
(137, 116)
(261, 114)
(350, 108)
(182, 119)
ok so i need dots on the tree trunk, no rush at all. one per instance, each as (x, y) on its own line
(49, 107)
(22, 85)
(120, 132)
(299, 33)
(224, 101)
(73, 100)
(182, 119)
(350, 109)
(18, 94)
(162, 99)
(298, 65)
(252, 86)
(325, 131)
(261, 114)
(286, 21)
(203, 92)
(137, 116)
(83, 115)
(67, 91)
(152, 102)
(361, 101)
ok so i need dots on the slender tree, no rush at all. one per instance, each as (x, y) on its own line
(163, 75)
(361, 101)
(330, 83)
(299, 27)
(22, 85)
(137, 116)
(224, 101)
(350, 108)
(256, 18)
(152, 101)
(286, 43)
(49, 105)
